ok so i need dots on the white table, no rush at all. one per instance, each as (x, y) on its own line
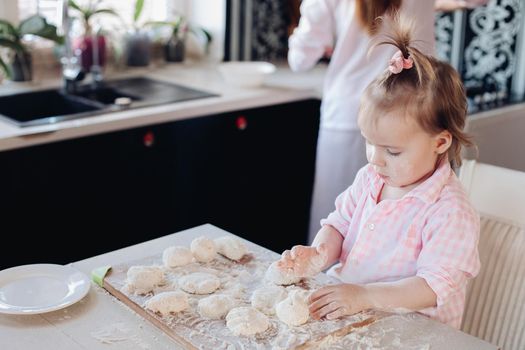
(99, 321)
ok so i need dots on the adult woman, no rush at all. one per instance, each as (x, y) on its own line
(344, 29)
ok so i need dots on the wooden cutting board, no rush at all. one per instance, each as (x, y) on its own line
(238, 279)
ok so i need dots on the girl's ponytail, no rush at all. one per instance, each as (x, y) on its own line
(429, 90)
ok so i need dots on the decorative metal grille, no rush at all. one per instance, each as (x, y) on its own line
(444, 35)
(490, 45)
(269, 35)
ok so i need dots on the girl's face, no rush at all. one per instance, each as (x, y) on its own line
(400, 151)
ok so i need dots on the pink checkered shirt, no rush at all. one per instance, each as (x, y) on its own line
(432, 232)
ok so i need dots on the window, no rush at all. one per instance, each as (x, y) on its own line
(47, 8)
(156, 10)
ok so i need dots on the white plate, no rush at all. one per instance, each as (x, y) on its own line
(34, 289)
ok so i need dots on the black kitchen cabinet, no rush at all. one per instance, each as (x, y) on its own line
(249, 172)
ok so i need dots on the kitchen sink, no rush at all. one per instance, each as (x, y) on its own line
(54, 105)
(43, 106)
(104, 95)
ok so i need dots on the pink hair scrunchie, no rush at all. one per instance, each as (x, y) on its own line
(398, 63)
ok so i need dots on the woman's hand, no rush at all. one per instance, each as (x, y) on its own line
(338, 300)
(452, 5)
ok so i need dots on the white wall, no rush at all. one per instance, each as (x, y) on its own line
(9, 10)
(211, 15)
(500, 136)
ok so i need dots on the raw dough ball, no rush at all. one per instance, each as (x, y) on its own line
(168, 302)
(215, 306)
(231, 247)
(264, 299)
(246, 320)
(143, 279)
(203, 249)
(280, 276)
(199, 283)
(176, 256)
(293, 310)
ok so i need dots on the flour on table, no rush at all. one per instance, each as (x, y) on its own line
(119, 333)
(168, 302)
(282, 277)
(246, 321)
(215, 306)
(176, 256)
(294, 310)
(199, 283)
(237, 280)
(203, 249)
(235, 289)
(231, 247)
(264, 299)
(143, 279)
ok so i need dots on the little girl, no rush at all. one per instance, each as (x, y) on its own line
(404, 233)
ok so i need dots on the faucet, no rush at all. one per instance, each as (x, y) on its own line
(71, 66)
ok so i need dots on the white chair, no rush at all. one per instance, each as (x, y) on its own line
(495, 305)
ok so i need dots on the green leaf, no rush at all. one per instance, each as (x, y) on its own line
(139, 4)
(209, 37)
(107, 11)
(175, 25)
(74, 5)
(7, 28)
(32, 25)
(8, 42)
(50, 32)
(37, 25)
(162, 23)
(202, 31)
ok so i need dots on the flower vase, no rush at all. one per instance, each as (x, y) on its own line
(174, 50)
(138, 49)
(22, 67)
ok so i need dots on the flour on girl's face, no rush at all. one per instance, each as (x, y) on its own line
(400, 151)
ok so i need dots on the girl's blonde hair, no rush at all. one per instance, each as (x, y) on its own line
(369, 10)
(431, 91)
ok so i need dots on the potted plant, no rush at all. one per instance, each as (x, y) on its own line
(86, 44)
(18, 65)
(175, 46)
(138, 44)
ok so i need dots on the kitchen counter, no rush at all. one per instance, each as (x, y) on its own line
(99, 321)
(281, 87)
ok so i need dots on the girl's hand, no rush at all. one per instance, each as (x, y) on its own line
(304, 261)
(337, 301)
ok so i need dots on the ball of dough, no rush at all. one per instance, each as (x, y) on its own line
(176, 256)
(168, 302)
(264, 299)
(199, 283)
(203, 249)
(246, 320)
(281, 277)
(293, 310)
(231, 247)
(215, 306)
(143, 279)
